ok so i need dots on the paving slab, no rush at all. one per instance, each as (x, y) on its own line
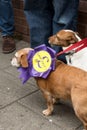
(12, 89)
(18, 117)
(14, 72)
(63, 115)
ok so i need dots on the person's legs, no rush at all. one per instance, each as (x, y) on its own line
(7, 25)
(39, 17)
(6, 17)
(65, 17)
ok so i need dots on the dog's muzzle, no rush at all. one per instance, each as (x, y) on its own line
(14, 62)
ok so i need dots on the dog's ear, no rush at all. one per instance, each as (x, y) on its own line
(72, 38)
(23, 61)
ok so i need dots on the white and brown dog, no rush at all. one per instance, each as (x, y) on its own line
(65, 38)
(65, 82)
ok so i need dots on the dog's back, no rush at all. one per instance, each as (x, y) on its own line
(62, 80)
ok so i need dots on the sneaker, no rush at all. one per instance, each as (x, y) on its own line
(8, 44)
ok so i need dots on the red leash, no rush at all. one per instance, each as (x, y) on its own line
(79, 45)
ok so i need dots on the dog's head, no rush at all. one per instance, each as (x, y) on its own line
(20, 58)
(64, 38)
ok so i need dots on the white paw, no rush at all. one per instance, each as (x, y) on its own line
(46, 112)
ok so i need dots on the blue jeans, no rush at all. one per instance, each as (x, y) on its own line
(46, 17)
(6, 17)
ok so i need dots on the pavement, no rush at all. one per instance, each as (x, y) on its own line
(21, 105)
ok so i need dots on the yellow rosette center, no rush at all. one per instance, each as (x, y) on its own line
(41, 61)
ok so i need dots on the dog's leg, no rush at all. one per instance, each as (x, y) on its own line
(85, 127)
(80, 104)
(82, 115)
(50, 102)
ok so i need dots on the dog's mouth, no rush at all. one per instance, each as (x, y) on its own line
(16, 65)
(52, 44)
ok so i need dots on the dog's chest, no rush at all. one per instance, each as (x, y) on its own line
(78, 59)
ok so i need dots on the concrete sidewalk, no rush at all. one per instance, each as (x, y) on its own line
(21, 106)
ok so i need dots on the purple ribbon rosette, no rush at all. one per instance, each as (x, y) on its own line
(41, 61)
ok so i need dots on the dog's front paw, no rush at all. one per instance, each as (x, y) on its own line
(47, 112)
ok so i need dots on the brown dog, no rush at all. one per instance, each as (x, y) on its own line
(65, 38)
(66, 82)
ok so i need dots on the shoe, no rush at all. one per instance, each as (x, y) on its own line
(8, 44)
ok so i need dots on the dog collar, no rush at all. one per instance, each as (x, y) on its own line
(41, 61)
